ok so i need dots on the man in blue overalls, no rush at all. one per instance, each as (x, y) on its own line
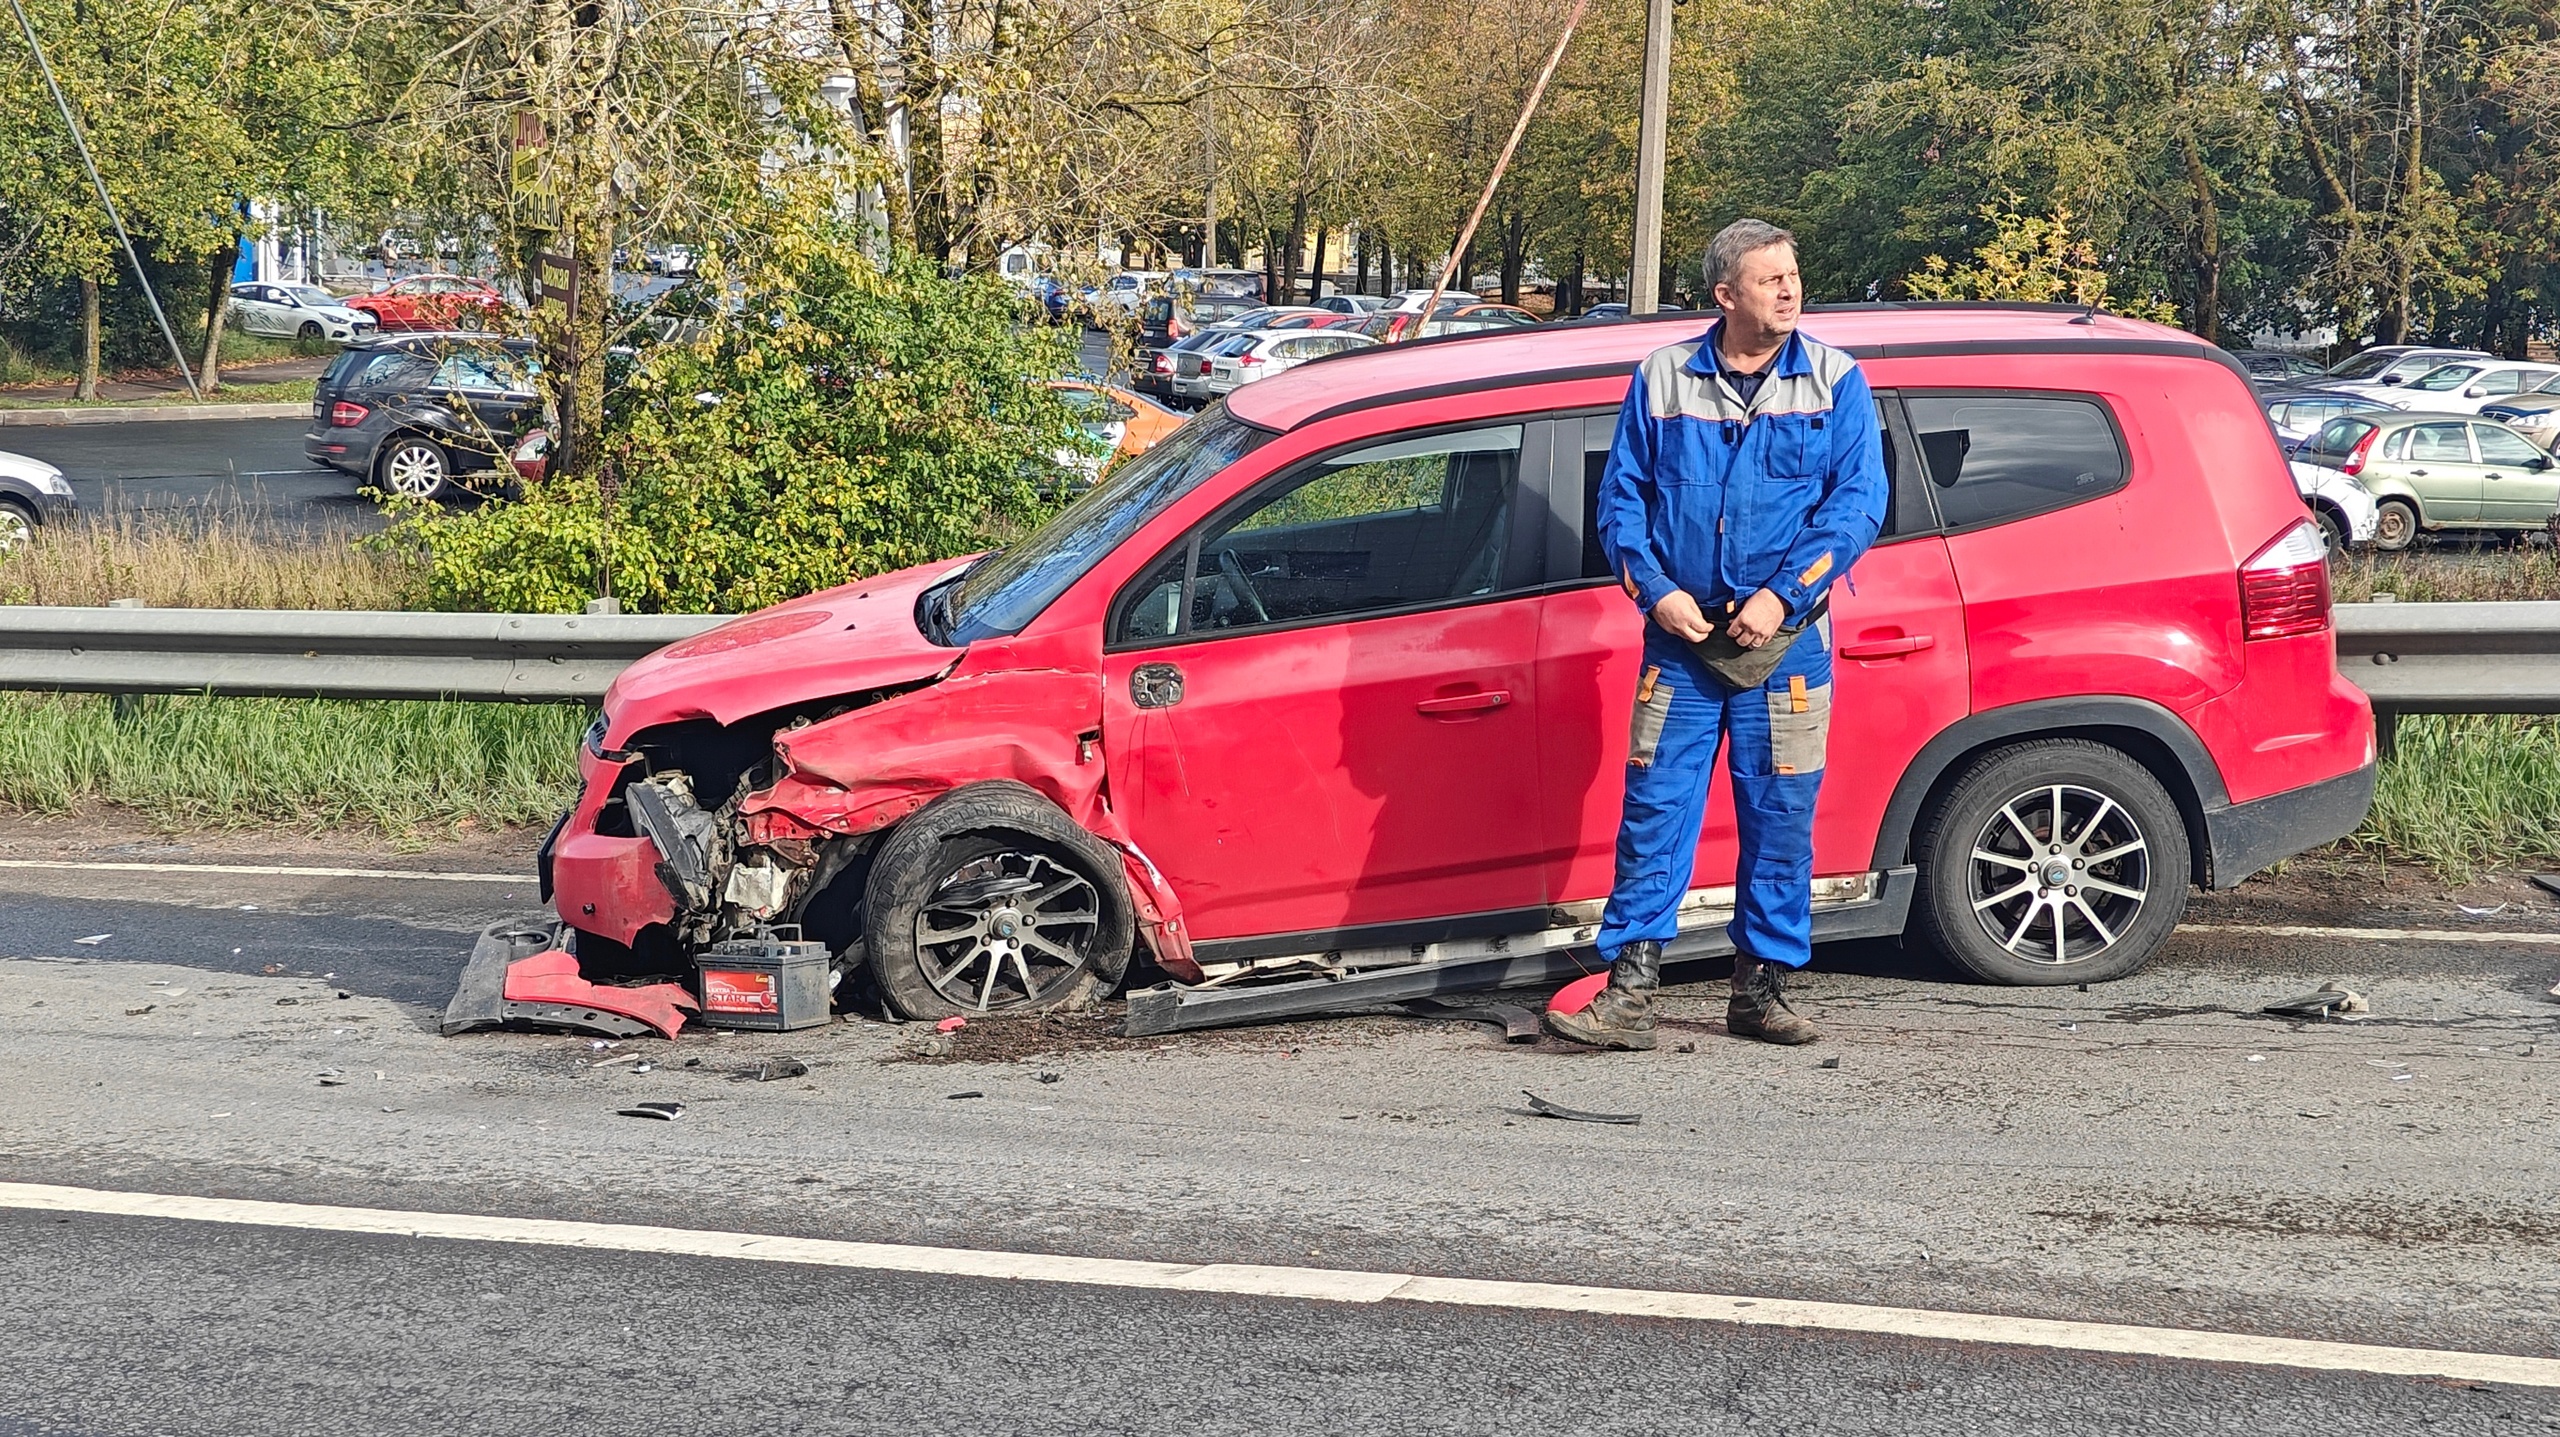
(1747, 476)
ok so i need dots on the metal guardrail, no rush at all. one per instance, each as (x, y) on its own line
(2411, 658)
(307, 653)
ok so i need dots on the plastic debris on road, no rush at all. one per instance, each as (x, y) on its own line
(972, 1093)
(663, 1112)
(93, 940)
(951, 1025)
(2484, 912)
(2548, 883)
(1545, 1109)
(2329, 1000)
(773, 1068)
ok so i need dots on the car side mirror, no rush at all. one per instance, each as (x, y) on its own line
(2538, 463)
(2475, 392)
(2387, 379)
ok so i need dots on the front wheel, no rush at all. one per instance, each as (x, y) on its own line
(17, 526)
(2395, 526)
(310, 332)
(2058, 861)
(991, 900)
(2333, 532)
(414, 468)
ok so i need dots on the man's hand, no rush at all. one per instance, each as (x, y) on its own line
(1761, 615)
(1680, 617)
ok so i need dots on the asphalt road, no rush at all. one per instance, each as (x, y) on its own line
(190, 466)
(2154, 1151)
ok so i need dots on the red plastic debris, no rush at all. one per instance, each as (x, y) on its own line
(949, 1024)
(551, 976)
(1575, 996)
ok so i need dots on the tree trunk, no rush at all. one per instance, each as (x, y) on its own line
(920, 89)
(1386, 265)
(2396, 318)
(87, 392)
(2206, 320)
(1515, 254)
(1360, 243)
(217, 305)
(1315, 274)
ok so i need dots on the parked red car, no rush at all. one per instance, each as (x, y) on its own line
(1335, 680)
(433, 301)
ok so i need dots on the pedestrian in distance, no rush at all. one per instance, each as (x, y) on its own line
(1746, 478)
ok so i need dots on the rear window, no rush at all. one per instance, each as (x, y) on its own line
(1992, 457)
(1157, 311)
(2337, 439)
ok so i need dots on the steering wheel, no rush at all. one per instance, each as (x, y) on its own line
(1231, 570)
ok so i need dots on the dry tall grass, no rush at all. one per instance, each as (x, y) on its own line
(204, 561)
(2449, 573)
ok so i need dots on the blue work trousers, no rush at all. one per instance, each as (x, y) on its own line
(1774, 738)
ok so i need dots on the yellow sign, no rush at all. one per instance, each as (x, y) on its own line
(529, 175)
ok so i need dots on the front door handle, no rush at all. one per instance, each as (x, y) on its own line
(1155, 686)
(2417, 473)
(1889, 648)
(1477, 702)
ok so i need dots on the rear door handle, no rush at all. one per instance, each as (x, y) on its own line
(1889, 648)
(1467, 703)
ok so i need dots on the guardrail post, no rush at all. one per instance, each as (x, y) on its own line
(126, 707)
(2386, 733)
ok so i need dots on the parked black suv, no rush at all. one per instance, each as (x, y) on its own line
(417, 414)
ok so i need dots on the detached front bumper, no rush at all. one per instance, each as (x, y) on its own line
(603, 883)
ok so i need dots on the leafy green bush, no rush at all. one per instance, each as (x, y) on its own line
(844, 418)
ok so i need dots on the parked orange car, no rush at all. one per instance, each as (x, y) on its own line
(1130, 423)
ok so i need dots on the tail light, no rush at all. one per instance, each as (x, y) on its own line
(1174, 328)
(344, 415)
(1164, 362)
(2356, 456)
(2284, 588)
(1243, 359)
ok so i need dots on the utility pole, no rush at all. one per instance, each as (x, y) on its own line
(1644, 280)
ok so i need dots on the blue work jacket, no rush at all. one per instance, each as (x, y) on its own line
(1723, 498)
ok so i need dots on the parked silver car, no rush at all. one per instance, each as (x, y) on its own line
(1264, 353)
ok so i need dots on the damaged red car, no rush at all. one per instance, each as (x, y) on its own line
(1323, 702)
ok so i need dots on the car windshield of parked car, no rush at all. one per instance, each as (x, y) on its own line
(311, 294)
(2449, 376)
(1214, 309)
(1009, 588)
(2361, 366)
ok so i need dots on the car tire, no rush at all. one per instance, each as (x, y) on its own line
(1995, 897)
(411, 467)
(2395, 525)
(990, 866)
(17, 525)
(310, 331)
(2333, 530)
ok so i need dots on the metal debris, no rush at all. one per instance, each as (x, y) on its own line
(2329, 1000)
(1545, 1109)
(773, 1068)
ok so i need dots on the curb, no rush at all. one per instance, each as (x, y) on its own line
(132, 413)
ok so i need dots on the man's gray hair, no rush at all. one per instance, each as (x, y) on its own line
(1742, 237)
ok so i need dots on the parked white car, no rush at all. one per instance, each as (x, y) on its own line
(2345, 509)
(1412, 300)
(298, 311)
(1351, 303)
(2465, 385)
(1263, 353)
(1129, 289)
(2377, 374)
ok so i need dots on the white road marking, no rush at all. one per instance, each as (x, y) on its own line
(2377, 935)
(1317, 1284)
(266, 870)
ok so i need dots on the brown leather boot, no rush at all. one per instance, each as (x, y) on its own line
(1759, 1008)
(1622, 1015)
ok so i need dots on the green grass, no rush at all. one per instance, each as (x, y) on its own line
(406, 770)
(2467, 792)
(2448, 574)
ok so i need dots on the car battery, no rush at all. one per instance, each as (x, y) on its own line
(769, 982)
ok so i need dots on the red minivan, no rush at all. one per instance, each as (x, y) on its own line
(1334, 684)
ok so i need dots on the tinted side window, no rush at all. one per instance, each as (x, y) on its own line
(2003, 456)
(1406, 522)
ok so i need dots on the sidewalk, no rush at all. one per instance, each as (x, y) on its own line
(149, 388)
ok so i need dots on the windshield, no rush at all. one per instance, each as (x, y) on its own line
(1211, 309)
(2448, 377)
(2360, 366)
(1008, 589)
(311, 294)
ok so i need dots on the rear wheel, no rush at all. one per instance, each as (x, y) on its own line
(991, 900)
(414, 468)
(17, 525)
(2395, 525)
(2060, 861)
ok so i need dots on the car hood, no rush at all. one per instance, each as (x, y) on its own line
(840, 641)
(33, 471)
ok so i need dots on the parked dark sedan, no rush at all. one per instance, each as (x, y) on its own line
(419, 414)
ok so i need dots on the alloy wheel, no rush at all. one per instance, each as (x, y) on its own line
(1006, 929)
(414, 471)
(2059, 874)
(16, 530)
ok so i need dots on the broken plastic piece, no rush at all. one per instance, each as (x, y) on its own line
(93, 940)
(951, 1024)
(1831, 1062)
(2328, 1001)
(1545, 1109)
(972, 1093)
(516, 976)
(772, 1068)
(1575, 996)
(1518, 1024)
(663, 1112)
(2548, 883)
